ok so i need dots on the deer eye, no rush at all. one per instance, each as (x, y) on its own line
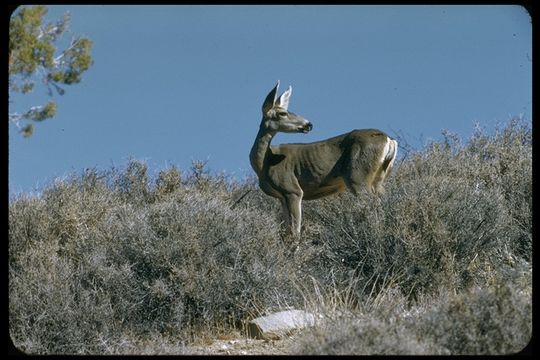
(282, 113)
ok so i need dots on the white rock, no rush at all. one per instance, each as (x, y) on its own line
(278, 325)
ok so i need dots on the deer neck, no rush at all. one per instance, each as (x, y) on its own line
(260, 149)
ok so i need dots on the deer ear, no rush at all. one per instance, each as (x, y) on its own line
(284, 98)
(270, 99)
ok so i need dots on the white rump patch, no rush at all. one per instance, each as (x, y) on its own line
(385, 150)
(389, 148)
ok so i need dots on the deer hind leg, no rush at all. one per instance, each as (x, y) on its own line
(359, 174)
(378, 177)
(358, 181)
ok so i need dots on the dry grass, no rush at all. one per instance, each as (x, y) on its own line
(110, 262)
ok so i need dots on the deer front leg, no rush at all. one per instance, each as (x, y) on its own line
(285, 215)
(294, 208)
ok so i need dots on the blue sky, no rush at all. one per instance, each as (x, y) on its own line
(173, 84)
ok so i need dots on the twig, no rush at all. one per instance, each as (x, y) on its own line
(240, 199)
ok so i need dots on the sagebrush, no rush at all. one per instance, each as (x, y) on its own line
(116, 261)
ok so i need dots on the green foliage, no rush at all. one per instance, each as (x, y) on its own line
(33, 54)
(119, 262)
(26, 50)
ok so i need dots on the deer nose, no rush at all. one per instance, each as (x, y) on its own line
(307, 127)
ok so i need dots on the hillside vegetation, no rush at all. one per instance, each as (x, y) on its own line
(107, 262)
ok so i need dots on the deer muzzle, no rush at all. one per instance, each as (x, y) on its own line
(307, 127)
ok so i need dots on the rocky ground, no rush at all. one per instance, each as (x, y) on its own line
(277, 329)
(242, 346)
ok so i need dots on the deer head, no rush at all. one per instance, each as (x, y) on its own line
(277, 118)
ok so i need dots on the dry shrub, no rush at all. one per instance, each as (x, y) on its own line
(102, 255)
(111, 261)
(494, 320)
(445, 209)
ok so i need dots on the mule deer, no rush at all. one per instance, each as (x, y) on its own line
(360, 159)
